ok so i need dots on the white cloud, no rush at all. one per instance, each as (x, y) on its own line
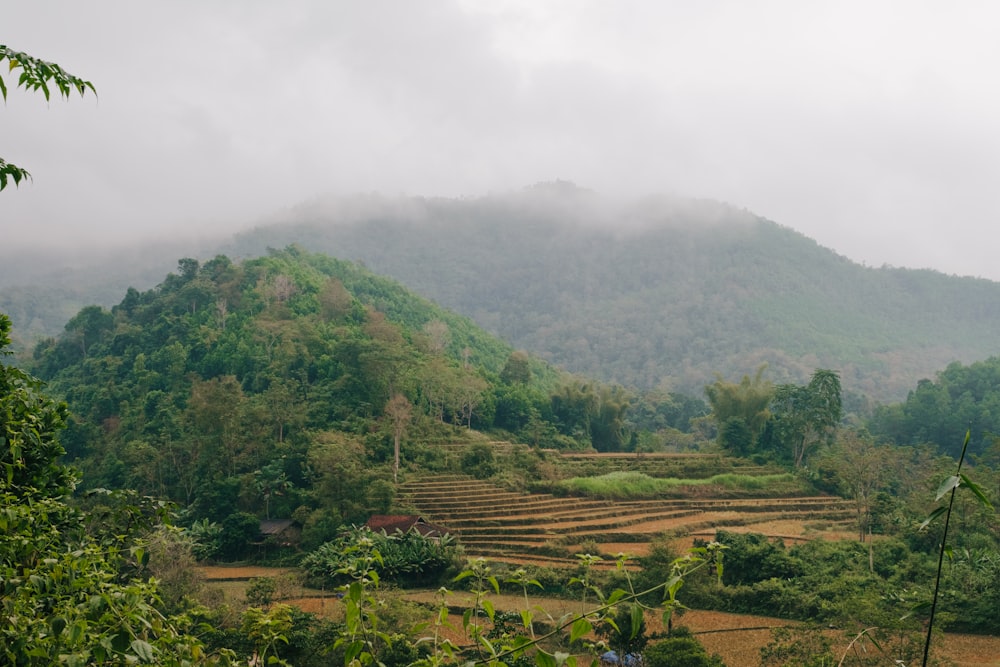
(868, 126)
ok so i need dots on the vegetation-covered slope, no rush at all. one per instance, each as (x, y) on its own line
(261, 387)
(658, 290)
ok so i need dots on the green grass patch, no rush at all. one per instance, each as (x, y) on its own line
(635, 485)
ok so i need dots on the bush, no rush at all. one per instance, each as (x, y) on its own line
(752, 557)
(402, 557)
(680, 649)
(479, 461)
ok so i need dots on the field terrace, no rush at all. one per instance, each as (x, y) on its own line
(546, 529)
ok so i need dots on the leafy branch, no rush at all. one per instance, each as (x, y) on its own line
(581, 624)
(36, 74)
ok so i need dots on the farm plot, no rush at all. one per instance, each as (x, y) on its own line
(544, 529)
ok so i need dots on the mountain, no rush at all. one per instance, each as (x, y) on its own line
(657, 291)
(647, 293)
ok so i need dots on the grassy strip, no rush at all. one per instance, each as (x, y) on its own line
(634, 485)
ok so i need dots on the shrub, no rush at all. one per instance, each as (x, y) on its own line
(680, 649)
(402, 557)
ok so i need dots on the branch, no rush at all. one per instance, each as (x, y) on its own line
(37, 74)
(12, 172)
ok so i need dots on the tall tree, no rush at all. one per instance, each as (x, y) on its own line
(803, 417)
(740, 410)
(861, 468)
(399, 411)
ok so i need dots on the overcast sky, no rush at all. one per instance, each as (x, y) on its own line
(872, 127)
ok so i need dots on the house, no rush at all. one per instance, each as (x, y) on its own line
(390, 523)
(280, 532)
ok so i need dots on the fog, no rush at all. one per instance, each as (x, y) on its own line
(870, 127)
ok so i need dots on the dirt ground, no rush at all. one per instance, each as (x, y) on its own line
(737, 638)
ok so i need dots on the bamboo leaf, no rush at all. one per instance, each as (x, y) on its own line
(934, 515)
(946, 486)
(978, 492)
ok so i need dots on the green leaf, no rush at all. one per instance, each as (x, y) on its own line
(935, 514)
(947, 485)
(58, 624)
(488, 644)
(636, 621)
(580, 627)
(143, 650)
(543, 659)
(978, 492)
(490, 611)
(353, 649)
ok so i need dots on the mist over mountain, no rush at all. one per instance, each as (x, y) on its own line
(656, 291)
(659, 291)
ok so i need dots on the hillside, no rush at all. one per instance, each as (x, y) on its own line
(659, 290)
(650, 293)
(232, 387)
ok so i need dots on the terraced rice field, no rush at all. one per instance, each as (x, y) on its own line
(545, 529)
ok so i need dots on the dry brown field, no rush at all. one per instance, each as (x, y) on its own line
(737, 638)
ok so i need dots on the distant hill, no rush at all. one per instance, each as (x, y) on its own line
(645, 293)
(659, 290)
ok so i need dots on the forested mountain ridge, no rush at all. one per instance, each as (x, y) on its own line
(647, 293)
(658, 290)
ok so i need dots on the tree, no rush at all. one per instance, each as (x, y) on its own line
(517, 369)
(36, 74)
(740, 409)
(88, 325)
(399, 411)
(802, 417)
(861, 468)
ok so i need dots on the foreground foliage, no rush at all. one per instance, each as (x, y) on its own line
(71, 592)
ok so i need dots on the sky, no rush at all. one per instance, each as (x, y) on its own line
(872, 127)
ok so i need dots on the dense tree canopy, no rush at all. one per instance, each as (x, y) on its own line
(939, 411)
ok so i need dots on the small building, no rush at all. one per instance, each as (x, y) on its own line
(280, 532)
(404, 523)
